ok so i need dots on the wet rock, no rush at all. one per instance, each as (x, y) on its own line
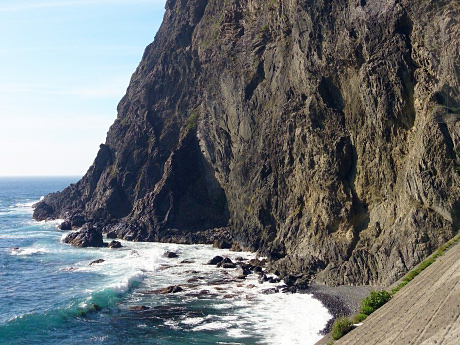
(115, 244)
(172, 289)
(262, 278)
(215, 260)
(170, 255)
(270, 291)
(111, 235)
(298, 280)
(98, 261)
(225, 261)
(273, 280)
(65, 225)
(258, 263)
(139, 308)
(236, 248)
(86, 237)
(288, 289)
(222, 244)
(228, 265)
(257, 269)
(244, 270)
(187, 262)
(42, 210)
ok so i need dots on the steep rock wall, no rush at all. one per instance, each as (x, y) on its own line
(324, 134)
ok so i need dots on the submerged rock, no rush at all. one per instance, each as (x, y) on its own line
(171, 289)
(98, 261)
(170, 255)
(115, 244)
(139, 308)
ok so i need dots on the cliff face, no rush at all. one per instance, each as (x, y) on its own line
(325, 134)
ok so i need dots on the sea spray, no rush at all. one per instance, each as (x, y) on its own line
(50, 293)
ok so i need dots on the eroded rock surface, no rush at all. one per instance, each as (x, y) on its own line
(324, 134)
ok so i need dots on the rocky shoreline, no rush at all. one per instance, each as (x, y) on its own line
(340, 301)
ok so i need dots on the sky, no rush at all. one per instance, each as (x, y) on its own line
(64, 66)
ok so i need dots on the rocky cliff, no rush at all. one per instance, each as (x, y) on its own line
(324, 134)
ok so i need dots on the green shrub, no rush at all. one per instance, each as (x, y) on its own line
(374, 301)
(359, 318)
(341, 327)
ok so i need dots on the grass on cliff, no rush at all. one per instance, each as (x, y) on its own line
(341, 327)
(416, 271)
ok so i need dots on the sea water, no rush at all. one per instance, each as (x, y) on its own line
(50, 293)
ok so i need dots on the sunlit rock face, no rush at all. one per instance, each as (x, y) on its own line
(324, 134)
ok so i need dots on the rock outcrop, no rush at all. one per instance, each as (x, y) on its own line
(324, 134)
(86, 237)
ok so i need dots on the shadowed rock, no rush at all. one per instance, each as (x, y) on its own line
(88, 237)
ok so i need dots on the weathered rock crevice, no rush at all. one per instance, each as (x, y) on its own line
(323, 134)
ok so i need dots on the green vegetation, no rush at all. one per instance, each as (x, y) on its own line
(374, 301)
(378, 298)
(416, 271)
(192, 121)
(264, 28)
(359, 318)
(341, 327)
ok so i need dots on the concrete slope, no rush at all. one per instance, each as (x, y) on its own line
(426, 311)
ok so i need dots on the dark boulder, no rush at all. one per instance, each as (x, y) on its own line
(298, 281)
(65, 225)
(98, 261)
(170, 255)
(227, 262)
(187, 262)
(244, 270)
(258, 269)
(111, 235)
(172, 289)
(222, 244)
(262, 278)
(215, 260)
(88, 237)
(115, 244)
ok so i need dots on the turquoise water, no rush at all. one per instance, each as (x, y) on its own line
(50, 294)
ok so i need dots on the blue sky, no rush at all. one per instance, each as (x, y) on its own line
(64, 66)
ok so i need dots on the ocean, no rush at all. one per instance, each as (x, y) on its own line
(50, 293)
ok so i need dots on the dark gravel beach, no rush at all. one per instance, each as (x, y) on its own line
(340, 300)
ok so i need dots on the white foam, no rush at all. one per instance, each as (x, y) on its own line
(237, 333)
(28, 251)
(193, 321)
(211, 326)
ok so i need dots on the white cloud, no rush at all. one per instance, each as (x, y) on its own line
(31, 6)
